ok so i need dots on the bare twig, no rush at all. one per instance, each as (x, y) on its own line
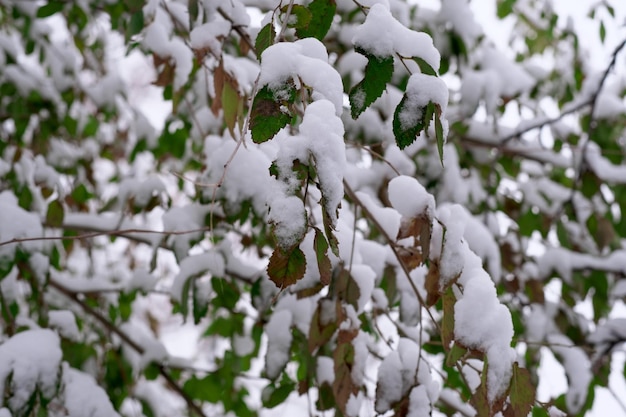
(392, 245)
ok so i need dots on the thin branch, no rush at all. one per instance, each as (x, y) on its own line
(121, 233)
(239, 30)
(130, 342)
(392, 245)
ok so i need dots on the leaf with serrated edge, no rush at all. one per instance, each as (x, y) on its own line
(378, 72)
(425, 67)
(322, 14)
(266, 117)
(321, 252)
(264, 39)
(522, 392)
(286, 267)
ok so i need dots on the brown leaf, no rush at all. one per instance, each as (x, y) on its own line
(343, 385)
(432, 284)
(410, 257)
(323, 262)
(219, 77)
(447, 322)
(321, 330)
(286, 267)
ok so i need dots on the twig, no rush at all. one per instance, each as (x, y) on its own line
(239, 30)
(392, 245)
(130, 342)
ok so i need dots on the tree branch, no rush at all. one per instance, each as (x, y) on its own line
(130, 342)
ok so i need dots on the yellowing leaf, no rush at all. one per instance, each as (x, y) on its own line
(321, 252)
(230, 104)
(286, 267)
(521, 392)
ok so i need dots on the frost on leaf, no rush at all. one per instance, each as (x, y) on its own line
(267, 116)
(425, 99)
(378, 73)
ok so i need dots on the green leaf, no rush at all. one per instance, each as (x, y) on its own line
(378, 72)
(151, 372)
(425, 67)
(81, 195)
(522, 392)
(230, 105)
(266, 117)
(455, 354)
(192, 7)
(321, 252)
(207, 389)
(439, 136)
(286, 267)
(50, 8)
(55, 214)
(302, 14)
(273, 396)
(602, 31)
(505, 8)
(264, 39)
(405, 130)
(136, 24)
(322, 14)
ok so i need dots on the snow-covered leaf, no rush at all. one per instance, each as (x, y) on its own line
(377, 74)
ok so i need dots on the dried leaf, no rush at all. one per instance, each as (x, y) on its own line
(432, 284)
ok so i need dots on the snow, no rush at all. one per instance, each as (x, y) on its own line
(382, 35)
(192, 266)
(206, 36)
(324, 132)
(279, 337)
(32, 360)
(307, 60)
(83, 396)
(325, 371)
(577, 368)
(17, 223)
(482, 322)
(288, 216)
(388, 218)
(410, 197)
(389, 389)
(65, 323)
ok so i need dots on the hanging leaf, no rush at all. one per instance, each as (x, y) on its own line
(322, 14)
(447, 323)
(410, 119)
(230, 103)
(343, 384)
(321, 252)
(378, 72)
(521, 392)
(264, 39)
(425, 66)
(439, 135)
(286, 267)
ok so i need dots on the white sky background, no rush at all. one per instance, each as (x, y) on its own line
(553, 381)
